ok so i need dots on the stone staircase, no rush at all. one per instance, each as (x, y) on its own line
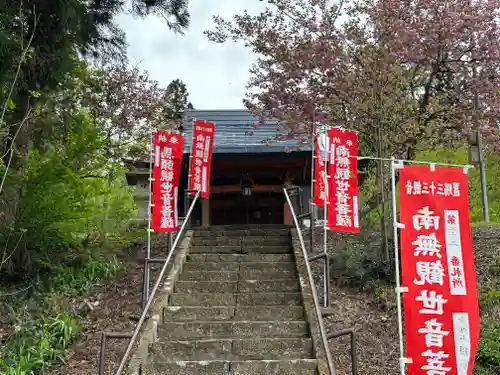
(236, 309)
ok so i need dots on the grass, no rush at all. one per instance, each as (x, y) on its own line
(45, 324)
(42, 320)
(492, 163)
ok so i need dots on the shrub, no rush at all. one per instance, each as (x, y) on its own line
(488, 353)
(39, 348)
(69, 198)
(358, 260)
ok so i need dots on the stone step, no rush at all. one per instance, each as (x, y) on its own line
(230, 349)
(279, 367)
(241, 258)
(241, 267)
(244, 232)
(236, 249)
(209, 276)
(211, 266)
(241, 286)
(270, 312)
(242, 241)
(231, 329)
(270, 299)
(268, 274)
(268, 286)
(233, 299)
(239, 312)
(206, 287)
(235, 275)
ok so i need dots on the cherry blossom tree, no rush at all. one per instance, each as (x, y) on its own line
(405, 74)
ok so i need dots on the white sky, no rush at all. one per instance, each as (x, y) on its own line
(215, 74)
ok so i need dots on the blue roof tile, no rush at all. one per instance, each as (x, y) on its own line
(234, 132)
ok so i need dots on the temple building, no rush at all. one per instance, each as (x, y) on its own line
(248, 172)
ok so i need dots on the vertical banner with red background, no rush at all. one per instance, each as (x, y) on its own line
(343, 183)
(441, 311)
(167, 160)
(321, 156)
(201, 157)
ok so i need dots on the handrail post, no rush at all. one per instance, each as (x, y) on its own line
(311, 231)
(137, 329)
(317, 309)
(326, 280)
(102, 354)
(354, 355)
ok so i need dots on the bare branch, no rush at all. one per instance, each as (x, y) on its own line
(21, 60)
(5, 257)
(11, 150)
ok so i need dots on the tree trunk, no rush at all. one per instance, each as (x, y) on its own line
(15, 150)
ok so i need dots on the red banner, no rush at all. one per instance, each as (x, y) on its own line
(201, 157)
(320, 153)
(167, 151)
(441, 310)
(343, 206)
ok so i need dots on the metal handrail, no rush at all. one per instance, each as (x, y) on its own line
(155, 288)
(317, 309)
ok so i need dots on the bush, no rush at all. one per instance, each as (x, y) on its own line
(39, 348)
(488, 353)
(45, 324)
(358, 260)
(70, 200)
(71, 281)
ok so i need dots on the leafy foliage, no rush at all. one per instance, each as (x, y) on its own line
(405, 80)
(66, 202)
(176, 99)
(36, 351)
(44, 325)
(489, 349)
(408, 72)
(356, 260)
(65, 127)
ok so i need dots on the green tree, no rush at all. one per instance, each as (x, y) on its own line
(40, 45)
(66, 201)
(176, 100)
(40, 41)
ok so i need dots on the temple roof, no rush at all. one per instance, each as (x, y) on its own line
(237, 131)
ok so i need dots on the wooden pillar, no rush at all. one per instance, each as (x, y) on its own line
(288, 219)
(205, 213)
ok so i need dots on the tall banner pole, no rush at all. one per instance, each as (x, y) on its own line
(145, 288)
(313, 180)
(397, 164)
(326, 266)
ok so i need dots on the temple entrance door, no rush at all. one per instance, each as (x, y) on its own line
(234, 208)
